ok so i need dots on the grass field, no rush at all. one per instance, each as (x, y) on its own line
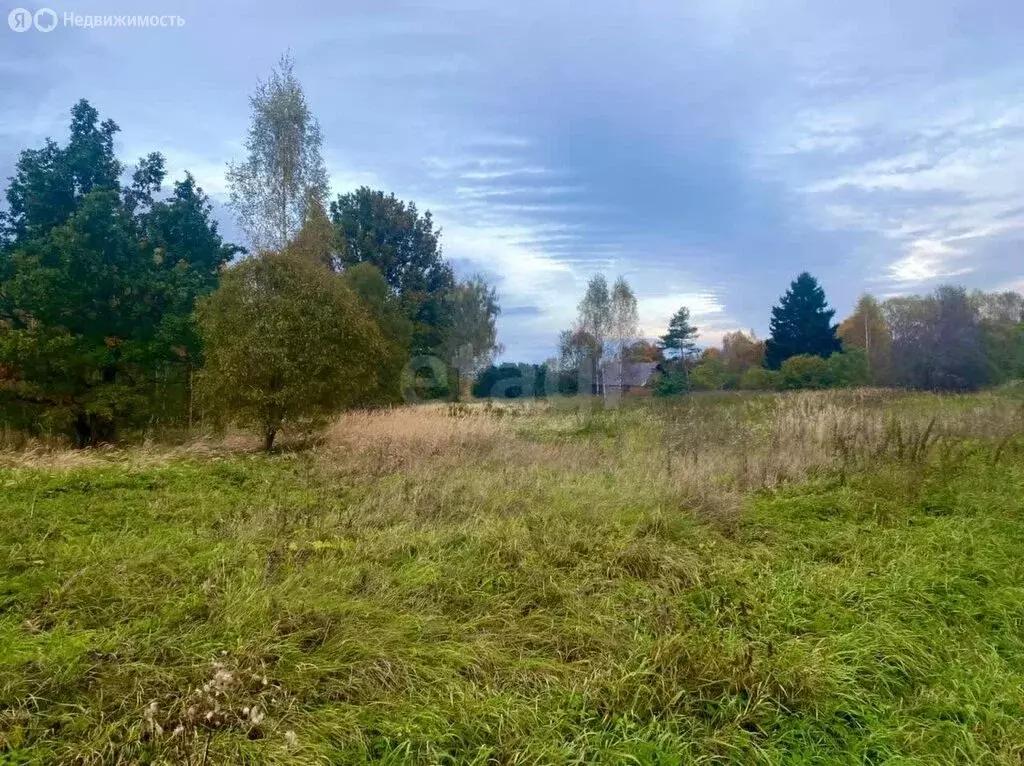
(804, 578)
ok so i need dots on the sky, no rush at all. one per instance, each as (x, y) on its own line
(706, 150)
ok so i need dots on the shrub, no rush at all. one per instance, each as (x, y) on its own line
(759, 379)
(671, 384)
(511, 381)
(806, 371)
(709, 375)
(850, 368)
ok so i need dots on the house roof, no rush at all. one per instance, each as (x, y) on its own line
(632, 373)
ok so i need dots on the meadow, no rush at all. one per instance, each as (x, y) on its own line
(814, 577)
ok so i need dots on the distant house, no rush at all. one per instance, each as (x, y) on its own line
(635, 378)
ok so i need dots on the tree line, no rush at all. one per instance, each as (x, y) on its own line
(122, 308)
(948, 340)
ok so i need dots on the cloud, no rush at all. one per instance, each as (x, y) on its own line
(934, 174)
(708, 150)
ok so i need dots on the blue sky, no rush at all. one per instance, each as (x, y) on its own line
(708, 150)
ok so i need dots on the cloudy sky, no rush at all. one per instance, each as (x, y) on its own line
(708, 150)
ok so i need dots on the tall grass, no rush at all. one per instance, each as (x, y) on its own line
(826, 577)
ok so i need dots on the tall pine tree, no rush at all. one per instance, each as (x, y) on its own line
(801, 324)
(680, 340)
(98, 281)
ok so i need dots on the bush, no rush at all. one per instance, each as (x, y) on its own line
(759, 379)
(671, 384)
(849, 369)
(511, 381)
(709, 375)
(287, 343)
(806, 371)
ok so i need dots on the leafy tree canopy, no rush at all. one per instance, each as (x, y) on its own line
(284, 169)
(378, 228)
(288, 344)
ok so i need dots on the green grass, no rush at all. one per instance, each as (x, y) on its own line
(506, 605)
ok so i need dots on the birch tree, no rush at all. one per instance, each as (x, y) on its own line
(284, 168)
(625, 321)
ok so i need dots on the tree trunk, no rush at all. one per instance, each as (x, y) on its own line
(91, 430)
(457, 391)
(83, 431)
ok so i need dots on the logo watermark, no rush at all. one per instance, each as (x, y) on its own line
(46, 20)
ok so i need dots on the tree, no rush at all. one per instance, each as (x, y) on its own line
(866, 329)
(380, 229)
(594, 323)
(577, 350)
(938, 342)
(287, 344)
(624, 324)
(801, 324)
(806, 371)
(1002, 329)
(740, 352)
(316, 240)
(680, 340)
(471, 343)
(316, 244)
(959, 351)
(284, 168)
(366, 281)
(511, 381)
(97, 287)
(625, 318)
(644, 351)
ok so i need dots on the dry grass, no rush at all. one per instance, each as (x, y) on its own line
(528, 584)
(422, 430)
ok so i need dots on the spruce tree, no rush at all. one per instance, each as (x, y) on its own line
(801, 324)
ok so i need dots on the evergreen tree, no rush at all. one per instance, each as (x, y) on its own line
(680, 340)
(97, 287)
(801, 324)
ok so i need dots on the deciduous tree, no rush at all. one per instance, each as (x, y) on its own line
(937, 341)
(867, 330)
(740, 352)
(472, 340)
(396, 330)
(287, 344)
(377, 228)
(284, 168)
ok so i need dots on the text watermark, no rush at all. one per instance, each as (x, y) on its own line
(46, 20)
